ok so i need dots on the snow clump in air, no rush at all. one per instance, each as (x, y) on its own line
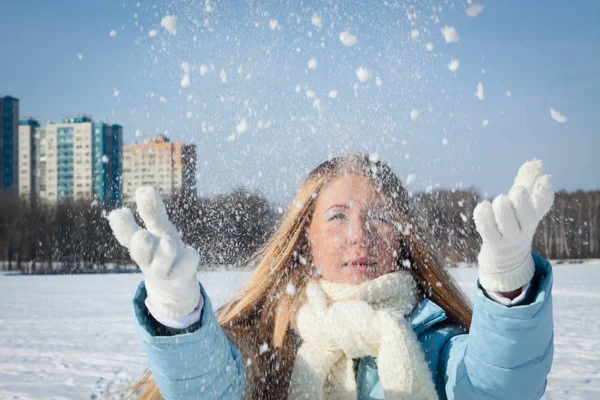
(453, 65)
(445, 142)
(474, 10)
(263, 348)
(333, 94)
(290, 289)
(348, 39)
(113, 33)
(241, 127)
(429, 46)
(273, 24)
(558, 116)
(169, 22)
(414, 33)
(450, 34)
(414, 114)
(203, 70)
(312, 63)
(153, 32)
(362, 74)
(410, 179)
(479, 94)
(316, 20)
(185, 81)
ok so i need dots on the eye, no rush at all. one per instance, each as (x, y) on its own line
(379, 216)
(340, 216)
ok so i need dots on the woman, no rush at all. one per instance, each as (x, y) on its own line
(349, 301)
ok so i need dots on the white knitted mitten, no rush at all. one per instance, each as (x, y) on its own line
(168, 265)
(507, 227)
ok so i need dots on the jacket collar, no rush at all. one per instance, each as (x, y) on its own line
(425, 315)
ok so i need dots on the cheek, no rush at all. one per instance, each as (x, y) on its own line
(388, 244)
(326, 243)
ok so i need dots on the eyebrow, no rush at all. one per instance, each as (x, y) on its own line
(338, 206)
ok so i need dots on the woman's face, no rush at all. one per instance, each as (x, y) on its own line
(352, 237)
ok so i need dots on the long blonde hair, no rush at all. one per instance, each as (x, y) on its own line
(261, 312)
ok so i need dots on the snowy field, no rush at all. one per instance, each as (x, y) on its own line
(72, 337)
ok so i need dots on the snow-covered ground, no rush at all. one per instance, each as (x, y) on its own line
(72, 337)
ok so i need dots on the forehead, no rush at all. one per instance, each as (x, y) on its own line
(349, 189)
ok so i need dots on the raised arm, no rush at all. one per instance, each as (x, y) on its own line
(199, 362)
(508, 351)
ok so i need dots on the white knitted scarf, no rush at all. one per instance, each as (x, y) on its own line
(341, 322)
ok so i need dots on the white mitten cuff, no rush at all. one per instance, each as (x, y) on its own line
(519, 273)
(173, 303)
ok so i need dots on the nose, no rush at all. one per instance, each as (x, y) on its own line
(358, 233)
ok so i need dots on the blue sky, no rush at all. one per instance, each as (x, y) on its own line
(545, 52)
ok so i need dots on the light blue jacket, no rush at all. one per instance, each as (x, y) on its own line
(506, 355)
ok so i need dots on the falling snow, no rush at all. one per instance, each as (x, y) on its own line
(450, 34)
(453, 65)
(290, 289)
(479, 94)
(185, 80)
(316, 20)
(474, 10)
(558, 116)
(362, 74)
(169, 22)
(414, 114)
(348, 39)
(241, 127)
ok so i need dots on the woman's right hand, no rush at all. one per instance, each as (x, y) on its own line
(169, 266)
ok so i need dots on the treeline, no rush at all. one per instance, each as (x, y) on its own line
(75, 237)
(571, 230)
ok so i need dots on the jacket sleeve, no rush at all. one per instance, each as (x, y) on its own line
(508, 351)
(199, 363)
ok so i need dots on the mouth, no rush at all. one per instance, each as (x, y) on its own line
(362, 264)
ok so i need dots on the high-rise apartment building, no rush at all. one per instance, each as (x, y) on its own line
(168, 166)
(30, 165)
(9, 142)
(77, 159)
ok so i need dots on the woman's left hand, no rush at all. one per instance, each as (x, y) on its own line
(507, 226)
